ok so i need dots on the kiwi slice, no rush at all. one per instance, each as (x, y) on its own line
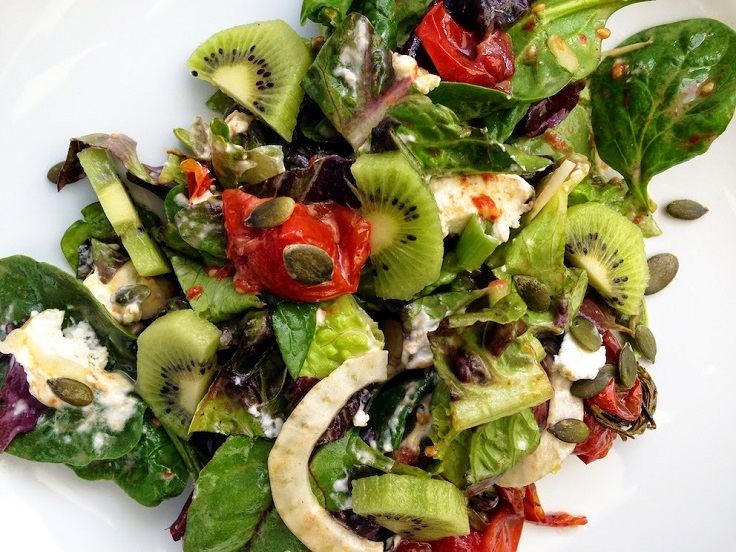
(610, 248)
(406, 234)
(414, 507)
(176, 364)
(259, 65)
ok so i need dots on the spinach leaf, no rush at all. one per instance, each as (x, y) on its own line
(383, 16)
(95, 224)
(294, 325)
(230, 497)
(390, 409)
(557, 45)
(329, 471)
(150, 473)
(78, 436)
(27, 285)
(352, 79)
(675, 96)
(213, 298)
(273, 534)
(434, 138)
(408, 15)
(469, 101)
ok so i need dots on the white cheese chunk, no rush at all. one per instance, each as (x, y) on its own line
(46, 352)
(405, 67)
(126, 275)
(459, 196)
(576, 363)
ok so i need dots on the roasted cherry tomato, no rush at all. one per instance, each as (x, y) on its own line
(198, 178)
(624, 404)
(598, 443)
(457, 55)
(258, 254)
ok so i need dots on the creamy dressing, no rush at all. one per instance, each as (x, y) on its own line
(416, 352)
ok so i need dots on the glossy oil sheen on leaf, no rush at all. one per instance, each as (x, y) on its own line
(675, 97)
(557, 45)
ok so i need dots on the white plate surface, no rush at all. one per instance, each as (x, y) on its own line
(72, 67)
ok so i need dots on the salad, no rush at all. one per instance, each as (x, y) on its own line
(368, 301)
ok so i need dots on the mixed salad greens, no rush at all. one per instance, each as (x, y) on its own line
(398, 279)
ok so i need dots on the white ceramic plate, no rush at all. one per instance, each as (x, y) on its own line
(72, 67)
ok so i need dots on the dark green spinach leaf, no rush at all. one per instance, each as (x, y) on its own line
(557, 45)
(294, 325)
(150, 473)
(673, 98)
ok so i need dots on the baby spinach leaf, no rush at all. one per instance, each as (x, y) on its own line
(27, 285)
(95, 224)
(557, 45)
(78, 436)
(352, 79)
(469, 101)
(329, 472)
(433, 137)
(150, 473)
(212, 297)
(294, 326)
(383, 16)
(273, 534)
(231, 496)
(674, 97)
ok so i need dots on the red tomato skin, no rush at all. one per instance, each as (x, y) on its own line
(457, 56)
(624, 404)
(198, 178)
(598, 443)
(258, 253)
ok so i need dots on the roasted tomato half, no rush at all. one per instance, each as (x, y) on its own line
(459, 57)
(315, 254)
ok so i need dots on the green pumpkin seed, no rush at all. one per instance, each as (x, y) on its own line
(534, 293)
(71, 391)
(662, 270)
(645, 342)
(588, 388)
(128, 295)
(586, 334)
(685, 209)
(54, 172)
(628, 367)
(271, 213)
(308, 264)
(570, 430)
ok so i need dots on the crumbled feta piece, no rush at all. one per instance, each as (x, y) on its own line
(361, 418)
(126, 275)
(459, 197)
(576, 363)
(46, 352)
(405, 67)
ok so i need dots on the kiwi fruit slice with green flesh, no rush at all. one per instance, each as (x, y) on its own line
(414, 507)
(176, 364)
(259, 65)
(610, 248)
(406, 234)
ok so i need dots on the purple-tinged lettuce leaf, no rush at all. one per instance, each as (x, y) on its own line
(120, 146)
(353, 81)
(19, 410)
(325, 179)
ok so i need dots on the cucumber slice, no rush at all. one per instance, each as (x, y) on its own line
(417, 508)
(99, 167)
(288, 463)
